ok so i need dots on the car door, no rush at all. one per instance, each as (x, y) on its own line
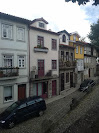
(32, 107)
(21, 112)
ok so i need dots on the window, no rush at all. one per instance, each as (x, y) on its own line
(21, 61)
(8, 93)
(54, 44)
(67, 77)
(71, 56)
(62, 55)
(80, 50)
(76, 49)
(67, 56)
(41, 41)
(7, 60)
(74, 38)
(20, 34)
(7, 31)
(41, 25)
(64, 38)
(54, 64)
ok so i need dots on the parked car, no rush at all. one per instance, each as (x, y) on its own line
(22, 110)
(86, 84)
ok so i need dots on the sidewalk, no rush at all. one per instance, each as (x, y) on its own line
(66, 93)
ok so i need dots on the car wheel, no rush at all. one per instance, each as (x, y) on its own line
(41, 113)
(11, 124)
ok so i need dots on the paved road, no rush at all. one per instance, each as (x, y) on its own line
(54, 112)
(88, 103)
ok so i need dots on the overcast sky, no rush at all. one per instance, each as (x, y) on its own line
(59, 14)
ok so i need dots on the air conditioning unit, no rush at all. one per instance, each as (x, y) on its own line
(33, 68)
(33, 74)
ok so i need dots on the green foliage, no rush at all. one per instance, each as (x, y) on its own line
(81, 2)
(94, 34)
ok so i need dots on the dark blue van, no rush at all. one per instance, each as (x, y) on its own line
(21, 110)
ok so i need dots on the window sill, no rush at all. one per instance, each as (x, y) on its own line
(40, 50)
(4, 38)
(8, 101)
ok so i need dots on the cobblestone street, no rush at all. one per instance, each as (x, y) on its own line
(56, 111)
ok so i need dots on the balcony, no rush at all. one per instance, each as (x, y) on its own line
(41, 49)
(49, 75)
(67, 64)
(9, 72)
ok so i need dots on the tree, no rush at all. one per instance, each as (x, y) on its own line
(81, 2)
(94, 34)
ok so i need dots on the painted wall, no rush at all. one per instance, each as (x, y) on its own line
(47, 57)
(15, 48)
(67, 39)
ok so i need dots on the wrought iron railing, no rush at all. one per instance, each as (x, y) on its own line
(9, 72)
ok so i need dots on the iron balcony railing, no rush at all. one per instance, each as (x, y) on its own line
(8, 72)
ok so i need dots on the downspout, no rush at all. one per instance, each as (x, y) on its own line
(29, 57)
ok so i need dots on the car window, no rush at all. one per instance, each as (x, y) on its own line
(38, 100)
(22, 106)
(30, 102)
(12, 107)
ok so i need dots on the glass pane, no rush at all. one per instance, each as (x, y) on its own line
(39, 89)
(34, 90)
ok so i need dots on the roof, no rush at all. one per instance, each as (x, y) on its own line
(75, 33)
(43, 30)
(64, 31)
(68, 46)
(39, 19)
(14, 18)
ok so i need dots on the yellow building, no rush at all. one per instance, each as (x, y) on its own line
(79, 56)
(79, 46)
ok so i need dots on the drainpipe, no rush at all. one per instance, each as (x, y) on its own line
(29, 56)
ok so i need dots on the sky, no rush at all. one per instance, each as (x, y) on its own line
(59, 14)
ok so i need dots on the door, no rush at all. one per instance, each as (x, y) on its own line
(62, 81)
(45, 89)
(71, 79)
(53, 87)
(21, 112)
(21, 91)
(89, 72)
(40, 68)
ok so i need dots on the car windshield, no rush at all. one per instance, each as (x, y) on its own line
(84, 83)
(12, 107)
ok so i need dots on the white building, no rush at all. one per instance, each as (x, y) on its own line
(13, 59)
(44, 68)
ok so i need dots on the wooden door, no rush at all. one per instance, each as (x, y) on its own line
(40, 68)
(53, 87)
(89, 72)
(71, 79)
(21, 91)
(62, 81)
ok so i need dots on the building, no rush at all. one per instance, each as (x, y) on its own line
(79, 56)
(44, 68)
(67, 62)
(13, 59)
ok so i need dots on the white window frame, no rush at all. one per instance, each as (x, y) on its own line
(20, 62)
(74, 38)
(12, 92)
(20, 34)
(7, 57)
(8, 29)
(76, 49)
